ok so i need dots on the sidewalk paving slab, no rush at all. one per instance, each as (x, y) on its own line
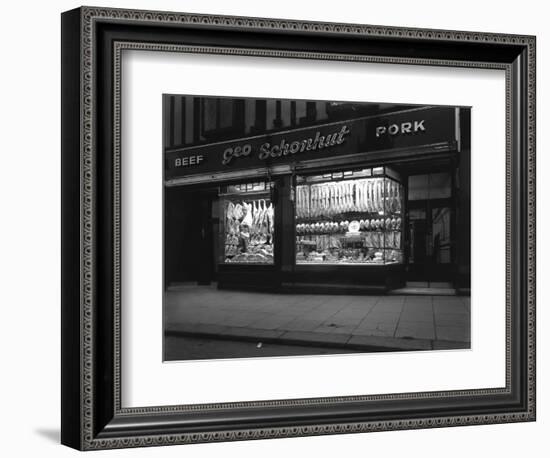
(380, 322)
(415, 330)
(452, 333)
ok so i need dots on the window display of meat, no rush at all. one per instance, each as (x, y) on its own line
(248, 228)
(352, 217)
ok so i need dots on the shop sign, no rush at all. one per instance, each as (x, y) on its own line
(189, 161)
(268, 150)
(407, 129)
(404, 128)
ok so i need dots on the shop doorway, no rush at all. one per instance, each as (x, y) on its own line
(430, 233)
(189, 231)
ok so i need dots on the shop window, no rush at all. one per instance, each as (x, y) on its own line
(248, 225)
(349, 218)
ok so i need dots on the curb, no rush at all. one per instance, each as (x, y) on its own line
(314, 339)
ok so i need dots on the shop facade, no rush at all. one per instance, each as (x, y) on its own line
(350, 201)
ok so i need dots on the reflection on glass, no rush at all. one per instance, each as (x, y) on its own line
(419, 187)
(417, 235)
(248, 224)
(430, 186)
(441, 236)
(440, 185)
(351, 217)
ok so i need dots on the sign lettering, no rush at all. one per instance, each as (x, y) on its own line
(187, 161)
(402, 128)
(284, 148)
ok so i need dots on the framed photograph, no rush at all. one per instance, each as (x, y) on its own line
(276, 228)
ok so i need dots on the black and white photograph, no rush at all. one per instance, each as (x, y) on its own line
(310, 227)
(277, 222)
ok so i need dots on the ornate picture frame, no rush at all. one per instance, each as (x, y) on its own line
(93, 40)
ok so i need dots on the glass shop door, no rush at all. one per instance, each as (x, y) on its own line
(430, 231)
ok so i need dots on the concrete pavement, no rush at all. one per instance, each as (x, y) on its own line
(369, 323)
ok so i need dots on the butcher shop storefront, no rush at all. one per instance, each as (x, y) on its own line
(345, 202)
